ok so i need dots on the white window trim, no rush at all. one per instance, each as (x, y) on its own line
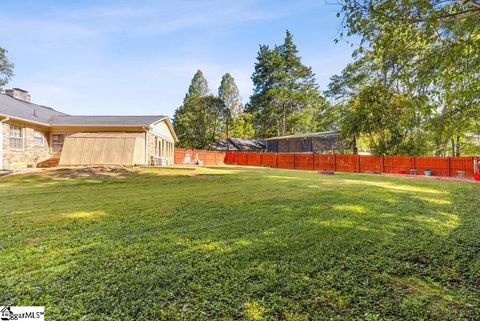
(22, 133)
(42, 136)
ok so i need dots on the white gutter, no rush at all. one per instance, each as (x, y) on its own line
(1, 141)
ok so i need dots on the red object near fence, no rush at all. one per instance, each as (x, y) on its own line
(395, 164)
(440, 166)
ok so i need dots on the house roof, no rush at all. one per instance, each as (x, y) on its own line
(67, 120)
(26, 111)
(318, 134)
(23, 110)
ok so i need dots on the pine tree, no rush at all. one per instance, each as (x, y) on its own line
(228, 92)
(198, 86)
(282, 87)
(184, 116)
(199, 121)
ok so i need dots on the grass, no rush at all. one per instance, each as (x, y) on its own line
(232, 243)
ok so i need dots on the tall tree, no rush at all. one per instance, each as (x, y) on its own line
(201, 118)
(428, 50)
(228, 92)
(198, 86)
(283, 85)
(6, 69)
(185, 115)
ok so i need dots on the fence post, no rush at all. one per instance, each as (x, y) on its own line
(382, 168)
(294, 160)
(358, 163)
(334, 162)
(414, 163)
(449, 165)
(276, 160)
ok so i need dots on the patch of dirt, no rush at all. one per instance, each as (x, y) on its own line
(96, 172)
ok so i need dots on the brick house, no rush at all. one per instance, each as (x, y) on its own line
(32, 134)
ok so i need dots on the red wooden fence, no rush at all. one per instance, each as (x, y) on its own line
(440, 166)
(207, 157)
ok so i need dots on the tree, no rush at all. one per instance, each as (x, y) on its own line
(282, 87)
(428, 51)
(198, 86)
(242, 126)
(201, 118)
(184, 118)
(228, 92)
(6, 68)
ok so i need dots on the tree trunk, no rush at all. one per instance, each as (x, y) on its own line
(354, 146)
(457, 149)
(453, 147)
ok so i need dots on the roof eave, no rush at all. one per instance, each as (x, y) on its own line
(97, 125)
(23, 120)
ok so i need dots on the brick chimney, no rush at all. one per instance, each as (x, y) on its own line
(18, 93)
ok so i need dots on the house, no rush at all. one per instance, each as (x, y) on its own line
(239, 144)
(321, 142)
(31, 134)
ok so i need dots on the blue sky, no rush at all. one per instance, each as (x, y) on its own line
(138, 57)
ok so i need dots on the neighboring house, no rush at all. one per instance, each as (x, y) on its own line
(31, 134)
(239, 144)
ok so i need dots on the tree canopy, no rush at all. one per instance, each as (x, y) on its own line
(425, 53)
(283, 86)
(6, 68)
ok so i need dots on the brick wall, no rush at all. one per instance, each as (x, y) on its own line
(29, 155)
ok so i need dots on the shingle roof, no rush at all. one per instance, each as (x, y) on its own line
(12, 107)
(16, 108)
(239, 144)
(105, 120)
(318, 134)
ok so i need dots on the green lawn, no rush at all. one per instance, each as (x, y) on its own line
(233, 243)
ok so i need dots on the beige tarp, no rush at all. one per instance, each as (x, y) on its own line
(103, 149)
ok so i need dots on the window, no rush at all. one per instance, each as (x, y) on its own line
(57, 142)
(38, 138)
(16, 137)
